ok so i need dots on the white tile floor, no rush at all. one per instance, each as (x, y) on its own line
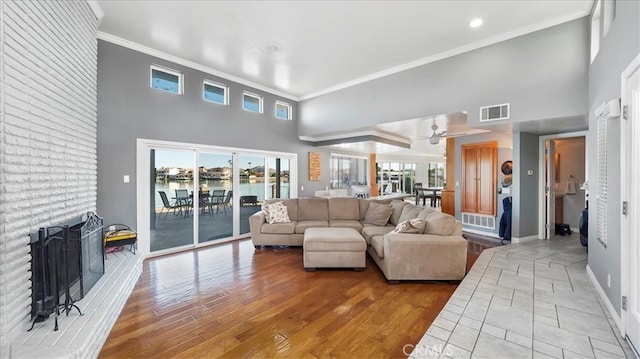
(529, 300)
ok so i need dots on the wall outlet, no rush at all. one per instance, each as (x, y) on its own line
(608, 280)
(530, 172)
(126, 178)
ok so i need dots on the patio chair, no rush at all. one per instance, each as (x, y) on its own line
(183, 200)
(166, 204)
(227, 201)
(217, 197)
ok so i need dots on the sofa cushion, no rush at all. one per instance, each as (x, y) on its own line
(377, 242)
(439, 223)
(278, 228)
(369, 232)
(313, 209)
(301, 226)
(409, 211)
(344, 208)
(276, 213)
(364, 206)
(291, 204)
(410, 226)
(346, 223)
(378, 214)
(397, 211)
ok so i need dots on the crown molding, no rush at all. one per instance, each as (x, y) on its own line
(97, 10)
(450, 53)
(194, 65)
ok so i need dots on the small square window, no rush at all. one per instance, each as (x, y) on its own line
(166, 80)
(214, 92)
(283, 110)
(252, 102)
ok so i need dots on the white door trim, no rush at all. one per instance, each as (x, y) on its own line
(626, 222)
(143, 146)
(541, 170)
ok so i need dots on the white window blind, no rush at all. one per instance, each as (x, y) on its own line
(602, 179)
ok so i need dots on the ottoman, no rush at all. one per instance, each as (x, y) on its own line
(334, 248)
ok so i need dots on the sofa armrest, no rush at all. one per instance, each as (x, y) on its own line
(256, 220)
(424, 256)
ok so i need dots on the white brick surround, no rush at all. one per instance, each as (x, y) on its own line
(48, 131)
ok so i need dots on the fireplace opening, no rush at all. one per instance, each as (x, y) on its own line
(66, 262)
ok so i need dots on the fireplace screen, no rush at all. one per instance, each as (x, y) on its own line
(67, 261)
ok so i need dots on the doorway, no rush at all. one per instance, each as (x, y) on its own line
(563, 168)
(630, 195)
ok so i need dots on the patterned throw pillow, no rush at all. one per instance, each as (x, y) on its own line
(277, 213)
(410, 226)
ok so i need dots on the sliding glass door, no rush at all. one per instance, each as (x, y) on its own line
(192, 195)
(171, 207)
(215, 210)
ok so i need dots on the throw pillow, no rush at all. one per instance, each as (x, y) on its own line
(440, 223)
(410, 226)
(409, 211)
(397, 211)
(378, 214)
(277, 213)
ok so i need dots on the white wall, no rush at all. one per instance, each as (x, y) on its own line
(48, 136)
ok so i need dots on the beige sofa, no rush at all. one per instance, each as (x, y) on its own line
(440, 253)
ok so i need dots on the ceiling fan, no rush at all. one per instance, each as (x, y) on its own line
(435, 137)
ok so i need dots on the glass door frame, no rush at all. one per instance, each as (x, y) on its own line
(143, 193)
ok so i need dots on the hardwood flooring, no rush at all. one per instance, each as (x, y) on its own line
(234, 301)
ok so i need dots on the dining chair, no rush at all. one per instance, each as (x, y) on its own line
(217, 197)
(183, 200)
(227, 201)
(166, 204)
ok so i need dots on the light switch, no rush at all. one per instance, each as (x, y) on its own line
(126, 178)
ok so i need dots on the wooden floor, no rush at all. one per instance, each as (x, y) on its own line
(233, 301)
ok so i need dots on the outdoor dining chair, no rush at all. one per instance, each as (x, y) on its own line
(183, 200)
(166, 204)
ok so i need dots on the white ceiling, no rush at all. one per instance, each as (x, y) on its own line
(301, 49)
(304, 48)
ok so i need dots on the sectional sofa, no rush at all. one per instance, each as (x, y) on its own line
(406, 241)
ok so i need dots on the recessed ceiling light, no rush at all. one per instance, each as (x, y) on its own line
(477, 22)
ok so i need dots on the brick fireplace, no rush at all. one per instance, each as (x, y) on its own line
(48, 141)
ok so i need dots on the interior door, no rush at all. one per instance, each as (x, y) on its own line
(469, 178)
(633, 215)
(550, 192)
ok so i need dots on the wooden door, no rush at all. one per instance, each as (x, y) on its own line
(487, 184)
(479, 165)
(469, 178)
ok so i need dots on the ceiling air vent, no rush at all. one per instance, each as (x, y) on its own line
(494, 113)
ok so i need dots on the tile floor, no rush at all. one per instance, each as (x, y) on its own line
(529, 300)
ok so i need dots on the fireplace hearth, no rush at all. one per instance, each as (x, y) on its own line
(66, 262)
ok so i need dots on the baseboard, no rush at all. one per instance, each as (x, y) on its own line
(524, 239)
(605, 299)
(481, 233)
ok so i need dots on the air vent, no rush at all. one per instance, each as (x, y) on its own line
(479, 220)
(494, 113)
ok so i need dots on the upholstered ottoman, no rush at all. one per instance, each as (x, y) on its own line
(334, 248)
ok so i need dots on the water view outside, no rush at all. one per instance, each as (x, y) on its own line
(247, 188)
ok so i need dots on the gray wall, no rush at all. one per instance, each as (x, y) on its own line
(572, 162)
(543, 75)
(129, 109)
(525, 187)
(505, 153)
(617, 49)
